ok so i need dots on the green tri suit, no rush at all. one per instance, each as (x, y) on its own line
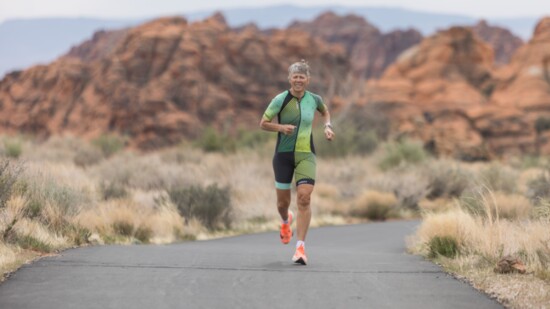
(295, 153)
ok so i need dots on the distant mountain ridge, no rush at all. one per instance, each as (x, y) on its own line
(32, 41)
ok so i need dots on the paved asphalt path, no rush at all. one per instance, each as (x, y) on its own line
(358, 266)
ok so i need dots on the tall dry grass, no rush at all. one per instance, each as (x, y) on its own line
(504, 225)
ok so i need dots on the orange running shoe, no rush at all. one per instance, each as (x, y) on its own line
(300, 256)
(286, 230)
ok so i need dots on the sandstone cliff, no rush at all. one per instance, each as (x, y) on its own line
(431, 85)
(164, 80)
(447, 92)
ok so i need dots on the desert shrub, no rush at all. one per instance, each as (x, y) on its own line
(446, 180)
(146, 172)
(443, 245)
(409, 189)
(87, 156)
(59, 200)
(13, 147)
(9, 176)
(143, 234)
(210, 205)
(499, 178)
(539, 188)
(213, 141)
(112, 190)
(402, 152)
(374, 205)
(109, 144)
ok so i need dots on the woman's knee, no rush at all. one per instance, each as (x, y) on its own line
(304, 200)
(283, 203)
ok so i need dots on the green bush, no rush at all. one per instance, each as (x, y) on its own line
(213, 141)
(13, 148)
(402, 152)
(253, 138)
(443, 245)
(109, 144)
(348, 141)
(211, 205)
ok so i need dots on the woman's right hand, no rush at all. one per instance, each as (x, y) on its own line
(287, 129)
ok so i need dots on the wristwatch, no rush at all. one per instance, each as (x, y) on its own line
(328, 125)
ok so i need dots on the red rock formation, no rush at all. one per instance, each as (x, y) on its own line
(504, 43)
(369, 51)
(164, 80)
(524, 87)
(445, 92)
(431, 85)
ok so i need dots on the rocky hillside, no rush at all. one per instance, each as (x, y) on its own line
(504, 42)
(369, 51)
(164, 80)
(446, 92)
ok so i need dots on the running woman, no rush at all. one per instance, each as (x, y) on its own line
(295, 153)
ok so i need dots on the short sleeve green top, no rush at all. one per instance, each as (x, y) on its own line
(298, 112)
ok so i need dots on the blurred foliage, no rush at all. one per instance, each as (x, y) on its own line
(211, 205)
(9, 177)
(401, 153)
(109, 144)
(446, 180)
(13, 147)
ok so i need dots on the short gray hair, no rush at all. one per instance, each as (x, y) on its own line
(301, 67)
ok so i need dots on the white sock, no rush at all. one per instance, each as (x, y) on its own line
(285, 221)
(300, 243)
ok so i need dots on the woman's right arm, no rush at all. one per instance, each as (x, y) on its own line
(267, 125)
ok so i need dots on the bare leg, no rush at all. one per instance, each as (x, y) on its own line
(283, 202)
(304, 210)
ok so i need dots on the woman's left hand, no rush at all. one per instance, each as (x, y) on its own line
(329, 134)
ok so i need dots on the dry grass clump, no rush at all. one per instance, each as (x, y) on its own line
(123, 221)
(471, 243)
(374, 205)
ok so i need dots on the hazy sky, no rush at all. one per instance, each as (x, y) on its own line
(144, 8)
